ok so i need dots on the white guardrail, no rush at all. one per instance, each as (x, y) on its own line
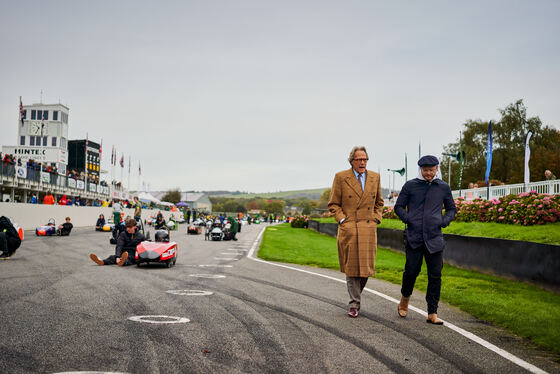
(547, 187)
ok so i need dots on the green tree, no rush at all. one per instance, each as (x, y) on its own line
(508, 155)
(324, 199)
(275, 207)
(172, 196)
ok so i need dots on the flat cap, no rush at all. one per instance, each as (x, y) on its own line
(428, 161)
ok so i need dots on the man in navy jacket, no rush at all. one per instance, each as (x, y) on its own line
(419, 206)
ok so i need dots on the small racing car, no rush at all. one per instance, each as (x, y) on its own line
(172, 224)
(48, 229)
(162, 251)
(108, 227)
(196, 227)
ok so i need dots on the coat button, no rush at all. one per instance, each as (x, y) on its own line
(357, 208)
(367, 208)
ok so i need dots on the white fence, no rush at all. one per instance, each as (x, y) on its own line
(547, 187)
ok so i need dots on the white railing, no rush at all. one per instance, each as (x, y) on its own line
(547, 187)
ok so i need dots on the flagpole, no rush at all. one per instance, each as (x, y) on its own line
(122, 167)
(129, 161)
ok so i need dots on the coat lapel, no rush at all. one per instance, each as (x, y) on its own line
(353, 183)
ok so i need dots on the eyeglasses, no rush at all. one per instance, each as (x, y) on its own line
(361, 159)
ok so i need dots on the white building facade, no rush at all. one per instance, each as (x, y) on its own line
(43, 136)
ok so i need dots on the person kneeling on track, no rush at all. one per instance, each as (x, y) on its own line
(65, 228)
(125, 252)
(160, 222)
(100, 223)
(9, 238)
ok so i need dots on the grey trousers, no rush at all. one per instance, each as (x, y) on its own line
(355, 287)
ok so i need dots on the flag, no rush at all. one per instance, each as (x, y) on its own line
(527, 156)
(100, 151)
(129, 160)
(122, 161)
(113, 155)
(139, 169)
(488, 153)
(85, 156)
(42, 125)
(21, 111)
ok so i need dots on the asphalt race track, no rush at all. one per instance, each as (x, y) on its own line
(218, 311)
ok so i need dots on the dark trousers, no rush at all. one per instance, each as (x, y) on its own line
(3, 243)
(112, 260)
(434, 262)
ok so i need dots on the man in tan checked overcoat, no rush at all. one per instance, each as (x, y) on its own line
(357, 204)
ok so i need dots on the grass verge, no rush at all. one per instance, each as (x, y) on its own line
(521, 308)
(547, 234)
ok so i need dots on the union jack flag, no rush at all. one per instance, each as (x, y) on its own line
(122, 161)
(42, 124)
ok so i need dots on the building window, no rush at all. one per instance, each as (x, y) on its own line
(38, 141)
(54, 140)
(63, 143)
(39, 114)
(22, 140)
(46, 114)
(55, 115)
(64, 117)
(31, 140)
(44, 141)
(25, 114)
(33, 114)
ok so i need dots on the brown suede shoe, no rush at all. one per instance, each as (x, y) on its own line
(96, 259)
(402, 308)
(432, 318)
(123, 259)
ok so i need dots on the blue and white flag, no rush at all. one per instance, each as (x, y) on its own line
(488, 153)
(527, 179)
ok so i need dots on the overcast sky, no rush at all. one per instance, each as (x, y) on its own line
(264, 96)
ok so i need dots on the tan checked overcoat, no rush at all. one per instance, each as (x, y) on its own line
(362, 211)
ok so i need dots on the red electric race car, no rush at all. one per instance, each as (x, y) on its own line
(162, 251)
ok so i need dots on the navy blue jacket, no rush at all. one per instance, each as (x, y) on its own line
(419, 205)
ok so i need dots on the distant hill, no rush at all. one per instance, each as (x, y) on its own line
(313, 194)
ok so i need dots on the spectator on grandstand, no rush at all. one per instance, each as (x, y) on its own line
(33, 199)
(48, 199)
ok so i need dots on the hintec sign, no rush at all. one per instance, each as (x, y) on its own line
(41, 154)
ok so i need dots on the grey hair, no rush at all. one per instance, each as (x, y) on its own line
(354, 150)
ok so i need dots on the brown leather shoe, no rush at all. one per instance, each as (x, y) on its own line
(96, 259)
(123, 259)
(402, 308)
(353, 312)
(432, 318)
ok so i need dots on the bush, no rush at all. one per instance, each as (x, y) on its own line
(300, 222)
(526, 208)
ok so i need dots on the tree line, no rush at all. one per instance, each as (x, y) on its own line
(508, 152)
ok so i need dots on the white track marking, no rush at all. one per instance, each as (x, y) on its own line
(190, 292)
(209, 276)
(146, 319)
(469, 335)
(231, 253)
(225, 258)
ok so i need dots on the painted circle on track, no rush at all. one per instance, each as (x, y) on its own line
(190, 292)
(209, 276)
(89, 372)
(160, 319)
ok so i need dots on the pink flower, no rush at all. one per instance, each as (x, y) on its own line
(500, 210)
(501, 217)
(540, 206)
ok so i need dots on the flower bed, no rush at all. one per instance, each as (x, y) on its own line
(526, 208)
(300, 222)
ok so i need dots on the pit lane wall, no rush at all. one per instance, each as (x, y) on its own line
(525, 261)
(29, 216)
